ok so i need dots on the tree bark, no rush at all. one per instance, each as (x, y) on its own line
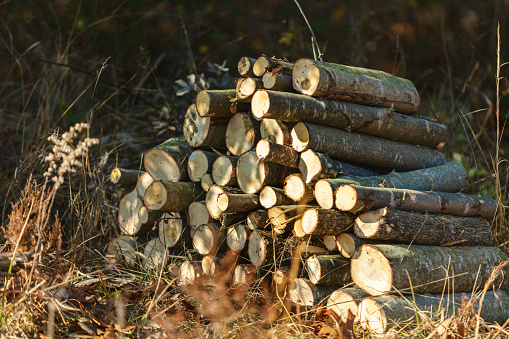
(378, 314)
(315, 166)
(346, 300)
(144, 181)
(319, 221)
(155, 255)
(209, 239)
(276, 131)
(168, 161)
(237, 238)
(258, 219)
(206, 182)
(171, 196)
(198, 215)
(423, 229)
(228, 219)
(265, 64)
(125, 177)
(364, 149)
(203, 131)
(304, 293)
(237, 202)
(273, 196)
(328, 269)
(242, 133)
(277, 82)
(219, 103)
(450, 177)
(365, 86)
(354, 198)
(246, 87)
(378, 269)
(200, 163)
(280, 154)
(297, 190)
(381, 122)
(252, 175)
(245, 66)
(224, 170)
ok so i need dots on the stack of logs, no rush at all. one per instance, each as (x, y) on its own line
(325, 165)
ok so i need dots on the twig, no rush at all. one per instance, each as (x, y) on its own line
(314, 41)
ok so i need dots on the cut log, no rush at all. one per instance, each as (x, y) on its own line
(243, 275)
(200, 163)
(381, 122)
(273, 196)
(237, 237)
(144, 181)
(246, 87)
(206, 182)
(168, 161)
(171, 230)
(378, 314)
(450, 177)
(209, 239)
(148, 217)
(365, 86)
(297, 190)
(315, 166)
(171, 196)
(198, 215)
(378, 269)
(283, 218)
(319, 221)
(277, 82)
(190, 271)
(129, 215)
(297, 229)
(276, 131)
(261, 248)
(211, 199)
(280, 154)
(330, 242)
(347, 243)
(241, 202)
(242, 133)
(252, 175)
(328, 269)
(203, 131)
(265, 64)
(125, 177)
(346, 300)
(219, 103)
(245, 66)
(423, 229)
(224, 170)
(228, 219)
(154, 255)
(122, 248)
(356, 198)
(280, 280)
(364, 149)
(208, 265)
(258, 219)
(304, 293)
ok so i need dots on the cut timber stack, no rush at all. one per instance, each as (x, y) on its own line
(333, 170)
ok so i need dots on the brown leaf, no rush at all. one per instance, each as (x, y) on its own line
(346, 328)
(461, 329)
(326, 331)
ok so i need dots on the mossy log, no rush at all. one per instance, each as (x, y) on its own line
(345, 300)
(171, 196)
(245, 66)
(168, 161)
(450, 177)
(125, 177)
(364, 149)
(328, 269)
(319, 221)
(277, 82)
(379, 269)
(305, 293)
(219, 103)
(242, 133)
(276, 131)
(265, 64)
(423, 229)
(365, 86)
(354, 198)
(273, 196)
(224, 170)
(280, 154)
(253, 175)
(203, 131)
(200, 163)
(377, 121)
(378, 314)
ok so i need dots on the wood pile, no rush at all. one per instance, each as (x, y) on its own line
(323, 175)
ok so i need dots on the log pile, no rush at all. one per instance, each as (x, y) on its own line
(324, 182)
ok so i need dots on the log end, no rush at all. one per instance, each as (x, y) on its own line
(346, 244)
(187, 273)
(240, 134)
(300, 137)
(341, 303)
(263, 149)
(260, 104)
(330, 242)
(223, 170)
(197, 215)
(309, 220)
(155, 254)
(203, 103)
(250, 173)
(155, 196)
(260, 66)
(346, 198)
(115, 175)
(309, 165)
(208, 265)
(301, 292)
(324, 194)
(197, 165)
(206, 182)
(371, 270)
(212, 201)
(372, 316)
(170, 228)
(161, 165)
(256, 250)
(306, 76)
(295, 188)
(124, 250)
(236, 238)
(195, 127)
(203, 240)
(274, 130)
(314, 269)
(268, 197)
(367, 224)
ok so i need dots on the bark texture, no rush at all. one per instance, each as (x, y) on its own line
(277, 82)
(171, 196)
(328, 269)
(273, 196)
(319, 221)
(125, 177)
(280, 154)
(219, 103)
